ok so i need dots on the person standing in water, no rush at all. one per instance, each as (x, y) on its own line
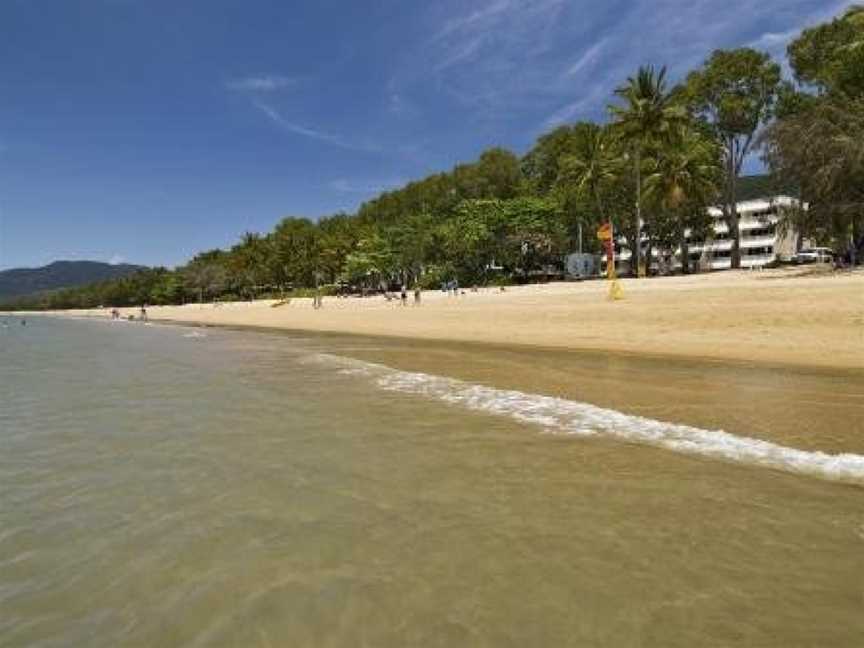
(143, 313)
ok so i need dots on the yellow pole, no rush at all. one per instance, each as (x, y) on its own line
(615, 290)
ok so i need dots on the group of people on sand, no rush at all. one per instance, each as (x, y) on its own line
(142, 314)
(450, 287)
(403, 295)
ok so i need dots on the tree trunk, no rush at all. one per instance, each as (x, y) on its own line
(636, 256)
(732, 209)
(685, 255)
(648, 252)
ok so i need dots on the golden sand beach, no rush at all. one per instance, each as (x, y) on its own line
(802, 316)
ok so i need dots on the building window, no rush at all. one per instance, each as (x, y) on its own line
(769, 230)
(765, 250)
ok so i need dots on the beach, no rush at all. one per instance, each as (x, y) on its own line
(806, 317)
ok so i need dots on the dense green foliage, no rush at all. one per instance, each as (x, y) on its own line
(817, 143)
(664, 156)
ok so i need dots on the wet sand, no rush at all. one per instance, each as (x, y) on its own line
(807, 408)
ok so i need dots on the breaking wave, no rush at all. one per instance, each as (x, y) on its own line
(564, 416)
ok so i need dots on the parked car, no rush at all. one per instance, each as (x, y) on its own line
(815, 255)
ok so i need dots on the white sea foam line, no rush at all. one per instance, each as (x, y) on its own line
(582, 419)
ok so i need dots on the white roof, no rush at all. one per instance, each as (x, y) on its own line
(758, 204)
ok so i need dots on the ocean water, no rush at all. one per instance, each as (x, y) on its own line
(174, 486)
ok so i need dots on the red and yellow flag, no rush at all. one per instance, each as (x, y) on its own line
(604, 233)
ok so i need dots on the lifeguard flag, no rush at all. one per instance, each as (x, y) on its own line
(604, 233)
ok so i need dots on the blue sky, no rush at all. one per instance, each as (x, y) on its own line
(148, 130)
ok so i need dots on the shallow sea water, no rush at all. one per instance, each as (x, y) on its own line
(180, 487)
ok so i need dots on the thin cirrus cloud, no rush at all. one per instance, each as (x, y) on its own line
(276, 117)
(549, 61)
(345, 186)
(588, 58)
(261, 91)
(264, 83)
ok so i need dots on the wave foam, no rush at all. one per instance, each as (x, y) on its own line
(582, 419)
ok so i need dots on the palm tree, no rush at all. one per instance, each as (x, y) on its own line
(683, 180)
(591, 173)
(593, 165)
(649, 117)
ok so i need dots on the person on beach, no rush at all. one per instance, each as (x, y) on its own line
(403, 295)
(417, 294)
(143, 312)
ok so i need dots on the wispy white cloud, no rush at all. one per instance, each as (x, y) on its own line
(487, 56)
(776, 42)
(298, 129)
(117, 259)
(395, 103)
(343, 185)
(584, 106)
(461, 52)
(682, 36)
(264, 83)
(261, 91)
(305, 131)
(504, 63)
(588, 58)
(475, 19)
(771, 40)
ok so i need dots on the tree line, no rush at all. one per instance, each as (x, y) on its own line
(666, 153)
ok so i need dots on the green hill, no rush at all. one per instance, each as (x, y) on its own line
(762, 186)
(19, 282)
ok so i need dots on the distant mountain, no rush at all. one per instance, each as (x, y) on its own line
(753, 187)
(60, 274)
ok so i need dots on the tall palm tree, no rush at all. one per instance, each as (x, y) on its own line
(592, 166)
(682, 181)
(591, 172)
(649, 117)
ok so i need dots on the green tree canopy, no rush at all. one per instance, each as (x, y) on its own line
(734, 92)
(831, 56)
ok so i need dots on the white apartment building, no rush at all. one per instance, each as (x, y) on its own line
(762, 240)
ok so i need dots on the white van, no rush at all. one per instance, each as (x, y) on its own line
(815, 255)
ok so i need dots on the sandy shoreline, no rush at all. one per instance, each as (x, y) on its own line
(797, 317)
